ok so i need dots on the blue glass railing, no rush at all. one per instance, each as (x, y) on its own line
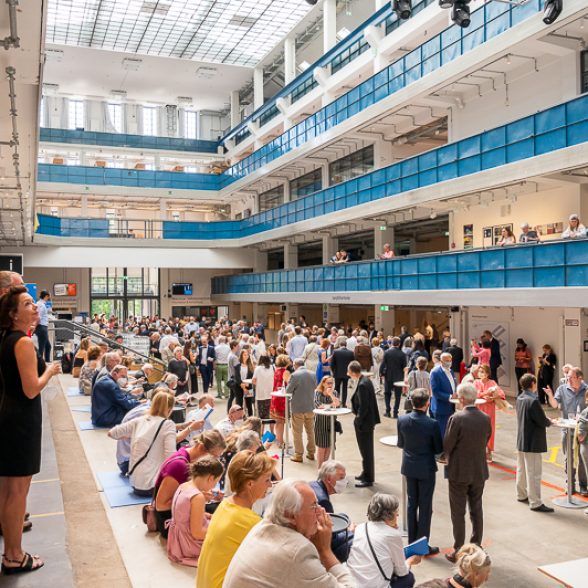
(548, 265)
(488, 22)
(104, 176)
(552, 129)
(50, 135)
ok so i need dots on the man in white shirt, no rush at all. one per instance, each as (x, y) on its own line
(232, 420)
(221, 366)
(295, 538)
(297, 344)
(258, 348)
(352, 341)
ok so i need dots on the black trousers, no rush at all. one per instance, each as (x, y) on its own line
(420, 507)
(206, 373)
(520, 372)
(494, 372)
(341, 388)
(388, 387)
(365, 442)
(240, 398)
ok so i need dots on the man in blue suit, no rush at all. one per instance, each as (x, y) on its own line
(443, 388)
(206, 359)
(109, 402)
(420, 440)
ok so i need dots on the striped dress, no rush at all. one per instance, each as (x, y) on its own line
(322, 423)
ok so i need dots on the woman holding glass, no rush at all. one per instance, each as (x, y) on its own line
(324, 397)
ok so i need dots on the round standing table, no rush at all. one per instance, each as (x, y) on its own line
(332, 412)
(478, 401)
(392, 441)
(286, 419)
(569, 501)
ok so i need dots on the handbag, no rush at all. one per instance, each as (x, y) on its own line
(149, 517)
(148, 450)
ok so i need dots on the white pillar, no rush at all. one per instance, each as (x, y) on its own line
(259, 261)
(84, 205)
(286, 191)
(330, 245)
(235, 108)
(382, 236)
(290, 256)
(257, 87)
(289, 59)
(329, 24)
(385, 319)
(163, 209)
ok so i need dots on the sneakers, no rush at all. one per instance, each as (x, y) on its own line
(542, 508)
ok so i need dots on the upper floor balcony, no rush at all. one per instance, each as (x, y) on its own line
(516, 150)
(123, 140)
(545, 274)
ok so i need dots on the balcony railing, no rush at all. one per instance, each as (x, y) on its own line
(488, 22)
(108, 176)
(544, 265)
(556, 128)
(75, 137)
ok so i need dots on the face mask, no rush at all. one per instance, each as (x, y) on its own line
(238, 423)
(447, 364)
(122, 382)
(340, 486)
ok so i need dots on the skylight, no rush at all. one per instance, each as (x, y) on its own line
(237, 32)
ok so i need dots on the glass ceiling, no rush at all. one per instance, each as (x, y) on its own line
(237, 32)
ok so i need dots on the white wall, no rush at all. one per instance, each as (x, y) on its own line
(75, 257)
(530, 92)
(536, 209)
(45, 278)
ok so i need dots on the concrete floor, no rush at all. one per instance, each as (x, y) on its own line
(517, 539)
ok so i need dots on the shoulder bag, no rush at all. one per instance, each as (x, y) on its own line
(148, 449)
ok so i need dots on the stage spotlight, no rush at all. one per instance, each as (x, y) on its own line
(445, 3)
(460, 14)
(403, 8)
(551, 10)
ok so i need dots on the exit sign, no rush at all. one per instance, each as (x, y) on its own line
(384, 307)
(383, 227)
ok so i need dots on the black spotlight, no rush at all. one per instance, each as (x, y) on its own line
(446, 3)
(552, 10)
(460, 14)
(403, 8)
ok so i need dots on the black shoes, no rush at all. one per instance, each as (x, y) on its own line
(387, 415)
(452, 557)
(542, 508)
(433, 550)
(522, 500)
(363, 484)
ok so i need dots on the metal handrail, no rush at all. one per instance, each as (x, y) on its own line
(87, 331)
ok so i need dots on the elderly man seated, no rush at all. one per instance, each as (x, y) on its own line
(110, 402)
(231, 421)
(294, 546)
(332, 479)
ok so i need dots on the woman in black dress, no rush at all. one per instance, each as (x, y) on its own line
(179, 366)
(23, 376)
(547, 363)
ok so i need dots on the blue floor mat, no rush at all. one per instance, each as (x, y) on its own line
(88, 426)
(118, 491)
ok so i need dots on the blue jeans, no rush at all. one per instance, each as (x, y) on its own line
(42, 332)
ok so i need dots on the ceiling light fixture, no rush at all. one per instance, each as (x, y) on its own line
(460, 13)
(402, 8)
(551, 10)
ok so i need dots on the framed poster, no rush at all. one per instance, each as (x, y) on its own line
(550, 229)
(468, 236)
(487, 237)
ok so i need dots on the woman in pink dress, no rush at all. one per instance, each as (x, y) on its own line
(482, 354)
(189, 522)
(489, 391)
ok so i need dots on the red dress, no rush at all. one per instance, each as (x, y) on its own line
(490, 407)
(278, 405)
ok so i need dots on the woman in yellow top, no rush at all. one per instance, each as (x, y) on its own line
(250, 475)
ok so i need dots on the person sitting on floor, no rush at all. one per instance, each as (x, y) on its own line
(189, 522)
(291, 548)
(332, 479)
(110, 402)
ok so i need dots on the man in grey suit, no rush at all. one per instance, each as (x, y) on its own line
(302, 385)
(467, 435)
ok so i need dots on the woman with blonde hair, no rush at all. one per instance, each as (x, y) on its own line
(153, 440)
(491, 392)
(324, 397)
(250, 475)
(89, 368)
(473, 567)
(80, 357)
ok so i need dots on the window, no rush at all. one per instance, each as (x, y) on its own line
(584, 71)
(355, 164)
(271, 198)
(149, 120)
(115, 115)
(190, 124)
(76, 114)
(306, 184)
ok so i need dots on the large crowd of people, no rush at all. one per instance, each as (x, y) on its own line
(217, 492)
